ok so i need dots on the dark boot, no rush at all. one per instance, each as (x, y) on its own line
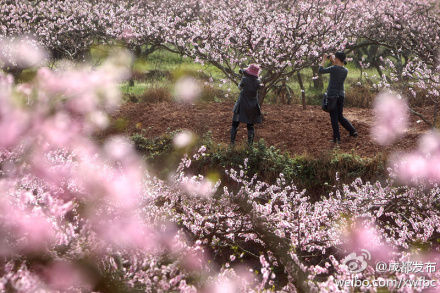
(250, 139)
(233, 136)
(251, 134)
(234, 130)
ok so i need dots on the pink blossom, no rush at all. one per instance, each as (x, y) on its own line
(362, 236)
(127, 34)
(118, 148)
(13, 124)
(125, 231)
(187, 89)
(21, 53)
(63, 276)
(391, 118)
(422, 165)
(183, 139)
(429, 143)
(410, 167)
(197, 187)
(25, 89)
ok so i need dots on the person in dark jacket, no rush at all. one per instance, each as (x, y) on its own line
(246, 109)
(338, 74)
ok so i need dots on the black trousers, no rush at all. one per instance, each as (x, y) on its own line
(337, 117)
(234, 129)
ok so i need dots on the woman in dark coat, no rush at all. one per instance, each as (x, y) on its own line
(338, 74)
(246, 109)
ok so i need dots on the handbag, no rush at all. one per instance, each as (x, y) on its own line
(329, 103)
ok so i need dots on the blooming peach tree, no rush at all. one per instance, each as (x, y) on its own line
(410, 30)
(284, 37)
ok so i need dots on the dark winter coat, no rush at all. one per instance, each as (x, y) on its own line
(246, 109)
(338, 74)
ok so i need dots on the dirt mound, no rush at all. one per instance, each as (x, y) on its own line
(287, 127)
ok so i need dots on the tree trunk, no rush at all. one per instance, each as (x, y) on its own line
(137, 51)
(289, 95)
(303, 91)
(317, 83)
(399, 65)
(131, 80)
(379, 71)
(261, 95)
(282, 248)
(150, 50)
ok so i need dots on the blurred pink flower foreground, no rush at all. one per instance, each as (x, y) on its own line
(391, 114)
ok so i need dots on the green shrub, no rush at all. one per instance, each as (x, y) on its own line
(119, 125)
(361, 96)
(316, 174)
(152, 148)
(151, 75)
(155, 95)
(212, 94)
(189, 72)
(27, 75)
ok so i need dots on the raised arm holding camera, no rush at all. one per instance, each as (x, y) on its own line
(336, 93)
(246, 109)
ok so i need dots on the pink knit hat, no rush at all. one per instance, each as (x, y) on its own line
(253, 69)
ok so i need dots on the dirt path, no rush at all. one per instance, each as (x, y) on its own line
(287, 127)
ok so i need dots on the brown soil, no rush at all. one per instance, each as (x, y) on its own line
(287, 127)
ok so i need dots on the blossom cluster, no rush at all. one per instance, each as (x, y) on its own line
(73, 211)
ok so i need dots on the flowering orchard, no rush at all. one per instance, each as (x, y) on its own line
(284, 37)
(82, 215)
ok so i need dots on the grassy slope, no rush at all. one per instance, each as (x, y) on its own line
(317, 174)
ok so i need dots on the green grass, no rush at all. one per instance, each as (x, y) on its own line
(176, 65)
(137, 90)
(169, 61)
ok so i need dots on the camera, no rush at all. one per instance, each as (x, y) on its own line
(241, 71)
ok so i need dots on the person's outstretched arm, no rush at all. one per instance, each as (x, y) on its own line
(323, 70)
